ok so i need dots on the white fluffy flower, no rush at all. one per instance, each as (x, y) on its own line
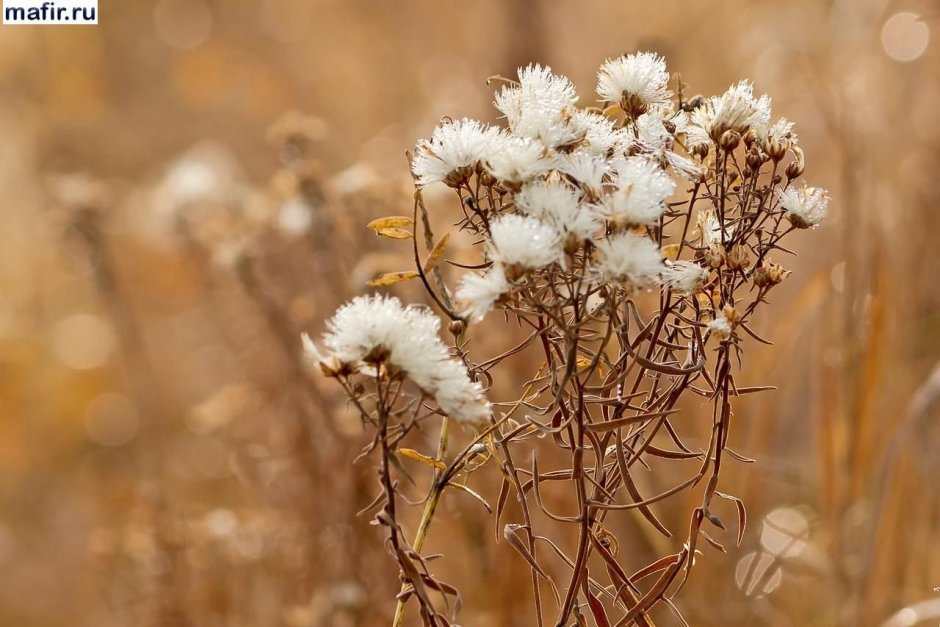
(709, 228)
(684, 277)
(515, 160)
(311, 351)
(598, 132)
(629, 259)
(454, 148)
(652, 139)
(783, 129)
(587, 169)
(737, 109)
(720, 326)
(558, 205)
(478, 293)
(636, 81)
(524, 242)
(376, 328)
(540, 107)
(642, 190)
(805, 207)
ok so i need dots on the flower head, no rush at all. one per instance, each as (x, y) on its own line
(452, 152)
(721, 327)
(514, 160)
(587, 169)
(598, 132)
(735, 110)
(656, 142)
(806, 207)
(370, 330)
(684, 277)
(709, 227)
(636, 81)
(642, 190)
(540, 107)
(559, 205)
(524, 243)
(479, 293)
(630, 260)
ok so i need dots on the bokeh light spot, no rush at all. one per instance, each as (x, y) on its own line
(111, 419)
(221, 522)
(82, 341)
(784, 531)
(904, 36)
(183, 24)
(758, 574)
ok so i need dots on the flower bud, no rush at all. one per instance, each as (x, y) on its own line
(731, 314)
(769, 274)
(754, 160)
(456, 327)
(458, 177)
(776, 148)
(729, 140)
(739, 257)
(794, 170)
(713, 257)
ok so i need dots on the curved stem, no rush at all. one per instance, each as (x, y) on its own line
(430, 506)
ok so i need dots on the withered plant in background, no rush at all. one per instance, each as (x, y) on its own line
(632, 241)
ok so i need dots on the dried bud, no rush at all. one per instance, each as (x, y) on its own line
(731, 314)
(729, 140)
(456, 327)
(670, 126)
(776, 148)
(739, 257)
(769, 274)
(486, 179)
(458, 177)
(748, 172)
(749, 137)
(794, 170)
(693, 103)
(700, 150)
(376, 356)
(713, 257)
(333, 367)
(754, 160)
(632, 105)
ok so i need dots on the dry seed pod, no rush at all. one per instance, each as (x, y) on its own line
(729, 140)
(769, 274)
(739, 257)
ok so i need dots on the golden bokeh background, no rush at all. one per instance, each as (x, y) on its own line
(186, 186)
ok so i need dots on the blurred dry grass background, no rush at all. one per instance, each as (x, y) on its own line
(166, 460)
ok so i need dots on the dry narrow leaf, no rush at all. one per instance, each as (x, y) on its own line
(390, 278)
(437, 253)
(390, 222)
(597, 609)
(742, 514)
(394, 233)
(420, 457)
(474, 494)
(509, 533)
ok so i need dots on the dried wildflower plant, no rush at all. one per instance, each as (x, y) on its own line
(633, 242)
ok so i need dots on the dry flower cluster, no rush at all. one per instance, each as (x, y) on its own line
(632, 242)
